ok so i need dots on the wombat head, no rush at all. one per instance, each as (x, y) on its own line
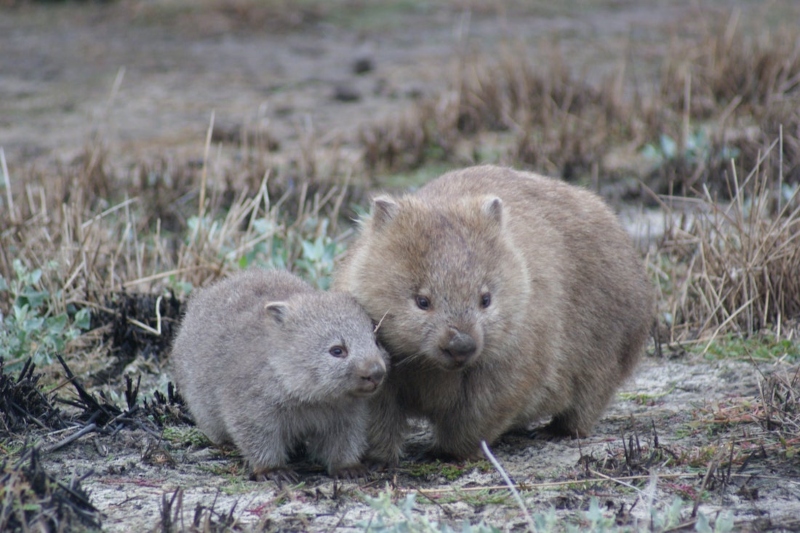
(328, 345)
(443, 279)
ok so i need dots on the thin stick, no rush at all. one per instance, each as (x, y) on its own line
(687, 108)
(7, 181)
(615, 480)
(160, 275)
(780, 166)
(201, 207)
(75, 436)
(157, 330)
(712, 467)
(553, 484)
(109, 211)
(546, 484)
(510, 485)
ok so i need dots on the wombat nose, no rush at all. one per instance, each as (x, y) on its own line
(460, 347)
(374, 374)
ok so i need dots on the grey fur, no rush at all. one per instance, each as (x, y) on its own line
(252, 361)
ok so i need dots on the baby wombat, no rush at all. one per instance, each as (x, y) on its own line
(266, 362)
(503, 297)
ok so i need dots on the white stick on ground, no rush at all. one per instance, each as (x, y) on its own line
(510, 485)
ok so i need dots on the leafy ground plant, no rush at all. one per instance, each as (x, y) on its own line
(391, 517)
(32, 329)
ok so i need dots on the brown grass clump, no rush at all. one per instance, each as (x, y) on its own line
(780, 397)
(151, 232)
(721, 94)
(741, 90)
(737, 264)
(214, 17)
(727, 69)
(556, 123)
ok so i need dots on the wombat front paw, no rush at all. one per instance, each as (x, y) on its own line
(557, 429)
(351, 472)
(278, 474)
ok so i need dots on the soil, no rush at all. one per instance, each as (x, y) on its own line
(296, 75)
(666, 411)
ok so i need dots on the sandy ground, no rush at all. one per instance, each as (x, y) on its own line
(681, 396)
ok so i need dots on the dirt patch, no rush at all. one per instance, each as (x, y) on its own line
(655, 440)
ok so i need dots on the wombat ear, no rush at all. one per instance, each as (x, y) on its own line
(384, 210)
(278, 311)
(492, 208)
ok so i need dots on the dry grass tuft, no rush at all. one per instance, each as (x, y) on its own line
(556, 123)
(216, 17)
(736, 265)
(727, 67)
(780, 397)
(149, 234)
(722, 94)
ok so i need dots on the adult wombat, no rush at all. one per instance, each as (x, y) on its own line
(503, 297)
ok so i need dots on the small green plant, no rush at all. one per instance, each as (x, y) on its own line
(183, 436)
(644, 398)
(759, 348)
(390, 517)
(316, 263)
(698, 148)
(450, 472)
(307, 248)
(31, 329)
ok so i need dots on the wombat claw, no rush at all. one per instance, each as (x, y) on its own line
(351, 473)
(279, 475)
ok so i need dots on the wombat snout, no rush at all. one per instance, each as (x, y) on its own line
(371, 376)
(459, 347)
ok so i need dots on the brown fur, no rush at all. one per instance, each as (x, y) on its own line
(570, 306)
(253, 362)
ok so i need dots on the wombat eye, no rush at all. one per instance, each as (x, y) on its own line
(486, 300)
(338, 351)
(423, 302)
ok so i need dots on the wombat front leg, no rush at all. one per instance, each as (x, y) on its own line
(341, 445)
(459, 435)
(577, 421)
(387, 428)
(265, 448)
